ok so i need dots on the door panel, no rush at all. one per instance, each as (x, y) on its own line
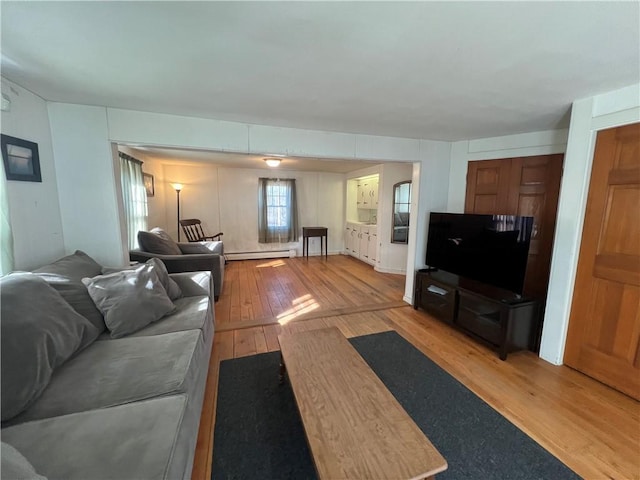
(604, 328)
(487, 187)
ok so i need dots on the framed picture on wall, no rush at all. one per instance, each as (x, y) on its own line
(21, 159)
(149, 184)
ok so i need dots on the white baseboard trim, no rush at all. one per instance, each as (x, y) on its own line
(395, 271)
(261, 255)
(408, 299)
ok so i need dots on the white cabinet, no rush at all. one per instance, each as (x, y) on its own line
(367, 194)
(361, 241)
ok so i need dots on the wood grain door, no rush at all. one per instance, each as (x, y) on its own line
(534, 187)
(604, 326)
(488, 187)
(527, 186)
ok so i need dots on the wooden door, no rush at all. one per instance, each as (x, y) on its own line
(604, 326)
(488, 187)
(534, 187)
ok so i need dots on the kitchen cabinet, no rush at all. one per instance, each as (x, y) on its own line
(361, 241)
(367, 194)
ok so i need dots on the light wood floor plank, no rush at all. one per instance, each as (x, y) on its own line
(588, 426)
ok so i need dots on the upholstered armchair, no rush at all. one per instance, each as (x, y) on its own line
(182, 257)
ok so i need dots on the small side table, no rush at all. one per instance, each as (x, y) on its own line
(314, 232)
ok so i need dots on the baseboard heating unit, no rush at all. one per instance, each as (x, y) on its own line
(260, 255)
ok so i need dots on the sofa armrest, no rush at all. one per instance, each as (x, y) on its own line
(194, 283)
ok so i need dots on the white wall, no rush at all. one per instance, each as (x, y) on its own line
(225, 199)
(430, 189)
(588, 115)
(90, 202)
(392, 256)
(34, 208)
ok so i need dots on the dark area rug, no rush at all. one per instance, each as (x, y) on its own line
(259, 434)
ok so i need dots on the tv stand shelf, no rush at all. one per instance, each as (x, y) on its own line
(499, 318)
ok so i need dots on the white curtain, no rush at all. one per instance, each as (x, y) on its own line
(6, 236)
(134, 197)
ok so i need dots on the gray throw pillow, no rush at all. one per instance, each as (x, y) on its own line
(15, 466)
(153, 243)
(66, 274)
(39, 332)
(161, 233)
(170, 286)
(130, 299)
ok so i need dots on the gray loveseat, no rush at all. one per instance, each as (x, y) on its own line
(182, 257)
(124, 408)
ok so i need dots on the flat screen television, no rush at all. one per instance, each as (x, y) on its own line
(491, 249)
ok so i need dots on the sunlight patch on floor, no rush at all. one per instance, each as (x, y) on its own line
(301, 305)
(273, 264)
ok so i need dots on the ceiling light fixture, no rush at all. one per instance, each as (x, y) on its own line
(272, 162)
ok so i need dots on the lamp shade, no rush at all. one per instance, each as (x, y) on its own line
(177, 186)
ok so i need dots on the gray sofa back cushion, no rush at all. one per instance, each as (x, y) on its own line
(154, 243)
(130, 299)
(66, 274)
(39, 332)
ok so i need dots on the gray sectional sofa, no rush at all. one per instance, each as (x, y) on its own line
(120, 408)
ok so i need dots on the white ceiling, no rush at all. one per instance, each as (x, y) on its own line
(434, 70)
(239, 160)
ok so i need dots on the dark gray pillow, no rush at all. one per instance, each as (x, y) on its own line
(153, 243)
(170, 286)
(130, 299)
(66, 274)
(39, 332)
(16, 466)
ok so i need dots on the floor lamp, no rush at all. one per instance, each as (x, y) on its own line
(177, 187)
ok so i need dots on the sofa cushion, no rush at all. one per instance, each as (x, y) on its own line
(192, 313)
(171, 287)
(154, 243)
(15, 466)
(129, 299)
(39, 332)
(139, 440)
(114, 372)
(66, 274)
(202, 247)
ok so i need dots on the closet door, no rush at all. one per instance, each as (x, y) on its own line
(603, 340)
(534, 187)
(488, 187)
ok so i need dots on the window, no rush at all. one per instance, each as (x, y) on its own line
(277, 211)
(134, 197)
(401, 210)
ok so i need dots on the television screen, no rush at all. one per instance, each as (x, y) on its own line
(491, 249)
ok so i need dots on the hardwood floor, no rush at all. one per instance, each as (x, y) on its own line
(588, 426)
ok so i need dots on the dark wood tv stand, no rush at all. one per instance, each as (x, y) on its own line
(500, 318)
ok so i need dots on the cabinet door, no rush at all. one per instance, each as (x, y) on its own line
(355, 241)
(364, 243)
(366, 194)
(373, 247)
(374, 195)
(347, 239)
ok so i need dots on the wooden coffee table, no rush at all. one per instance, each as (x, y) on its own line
(355, 427)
